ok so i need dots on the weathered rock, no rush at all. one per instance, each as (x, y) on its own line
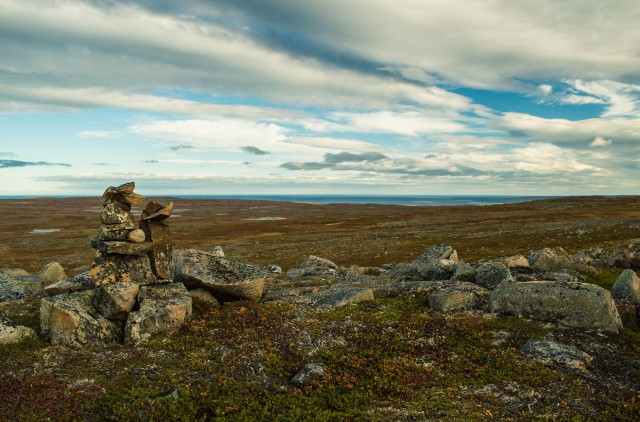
(16, 287)
(115, 212)
(550, 259)
(401, 288)
(627, 287)
(160, 254)
(321, 297)
(311, 371)
(51, 273)
(464, 272)
(437, 262)
(461, 297)
(227, 279)
(115, 300)
(162, 308)
(204, 297)
(115, 231)
(77, 283)
(137, 236)
(512, 261)
(578, 305)
(405, 272)
(217, 250)
(310, 274)
(124, 193)
(315, 261)
(12, 332)
(531, 274)
(490, 274)
(442, 269)
(71, 320)
(157, 212)
(108, 269)
(564, 355)
(12, 272)
(120, 247)
(273, 269)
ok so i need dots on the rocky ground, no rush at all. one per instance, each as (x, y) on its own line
(386, 331)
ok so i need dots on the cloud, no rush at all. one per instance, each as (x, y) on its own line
(254, 150)
(151, 161)
(7, 154)
(178, 147)
(411, 123)
(98, 133)
(333, 143)
(16, 163)
(599, 141)
(104, 164)
(345, 157)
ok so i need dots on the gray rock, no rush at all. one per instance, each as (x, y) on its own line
(227, 279)
(405, 272)
(116, 268)
(115, 300)
(120, 247)
(461, 297)
(627, 287)
(550, 259)
(464, 272)
(549, 351)
(490, 274)
(78, 283)
(310, 274)
(337, 298)
(436, 253)
(115, 231)
(12, 332)
(401, 288)
(18, 284)
(273, 269)
(577, 305)
(71, 320)
(512, 261)
(441, 269)
(217, 250)
(309, 372)
(162, 308)
(315, 261)
(51, 273)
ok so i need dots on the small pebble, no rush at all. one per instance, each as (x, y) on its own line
(136, 236)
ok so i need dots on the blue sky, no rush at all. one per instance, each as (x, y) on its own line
(413, 97)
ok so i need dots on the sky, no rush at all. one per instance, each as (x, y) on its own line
(403, 97)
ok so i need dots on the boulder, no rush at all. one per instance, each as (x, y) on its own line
(115, 300)
(490, 274)
(316, 261)
(51, 273)
(549, 351)
(464, 272)
(71, 320)
(577, 305)
(437, 252)
(401, 288)
(460, 297)
(227, 279)
(550, 259)
(78, 283)
(627, 287)
(12, 332)
(19, 287)
(512, 261)
(116, 268)
(162, 308)
(437, 262)
(405, 272)
(115, 231)
(309, 372)
(217, 250)
(321, 297)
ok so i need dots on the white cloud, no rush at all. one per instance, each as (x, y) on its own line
(333, 143)
(410, 123)
(599, 141)
(98, 133)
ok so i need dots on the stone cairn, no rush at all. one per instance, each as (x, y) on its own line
(135, 294)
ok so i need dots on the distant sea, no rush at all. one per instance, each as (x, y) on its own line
(408, 200)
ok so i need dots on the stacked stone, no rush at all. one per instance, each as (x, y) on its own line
(134, 294)
(122, 248)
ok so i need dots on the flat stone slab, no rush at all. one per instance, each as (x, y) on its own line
(550, 351)
(120, 247)
(321, 297)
